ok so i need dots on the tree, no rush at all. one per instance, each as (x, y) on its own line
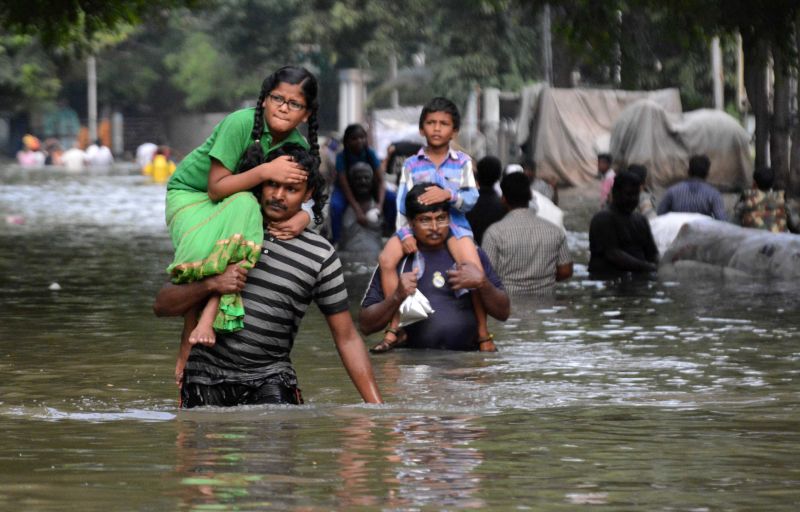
(60, 24)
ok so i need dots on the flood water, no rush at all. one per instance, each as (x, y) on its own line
(668, 396)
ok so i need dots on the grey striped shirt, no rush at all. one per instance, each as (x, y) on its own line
(525, 250)
(289, 275)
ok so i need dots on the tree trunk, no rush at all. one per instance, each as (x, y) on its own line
(793, 186)
(755, 83)
(779, 136)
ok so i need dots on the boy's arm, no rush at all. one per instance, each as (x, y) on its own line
(467, 195)
(354, 356)
(404, 186)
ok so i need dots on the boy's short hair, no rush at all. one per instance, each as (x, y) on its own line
(764, 177)
(440, 104)
(414, 207)
(606, 157)
(516, 190)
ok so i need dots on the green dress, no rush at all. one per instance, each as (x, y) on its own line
(209, 235)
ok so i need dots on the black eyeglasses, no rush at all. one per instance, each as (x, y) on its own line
(278, 100)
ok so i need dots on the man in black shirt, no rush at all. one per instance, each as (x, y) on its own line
(488, 209)
(620, 239)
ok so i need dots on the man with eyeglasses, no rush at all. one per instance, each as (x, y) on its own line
(434, 272)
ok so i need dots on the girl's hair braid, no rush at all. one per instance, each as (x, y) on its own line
(254, 154)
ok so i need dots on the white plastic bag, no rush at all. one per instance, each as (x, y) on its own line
(416, 307)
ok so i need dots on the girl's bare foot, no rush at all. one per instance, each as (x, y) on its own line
(203, 335)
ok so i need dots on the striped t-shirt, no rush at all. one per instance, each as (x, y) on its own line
(289, 275)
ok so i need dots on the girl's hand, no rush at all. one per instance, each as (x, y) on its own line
(434, 195)
(290, 228)
(409, 245)
(283, 170)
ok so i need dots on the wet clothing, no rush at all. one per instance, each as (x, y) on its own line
(232, 394)
(693, 196)
(762, 210)
(288, 276)
(454, 175)
(487, 210)
(611, 230)
(453, 325)
(209, 235)
(526, 250)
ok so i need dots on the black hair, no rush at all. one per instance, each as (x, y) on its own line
(698, 166)
(310, 163)
(639, 170)
(414, 207)
(489, 170)
(440, 104)
(359, 166)
(624, 180)
(293, 75)
(351, 131)
(764, 178)
(606, 157)
(516, 190)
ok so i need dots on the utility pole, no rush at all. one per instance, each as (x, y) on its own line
(716, 74)
(395, 95)
(91, 79)
(547, 46)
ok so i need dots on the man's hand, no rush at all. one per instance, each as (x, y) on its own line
(407, 285)
(466, 276)
(230, 281)
(361, 217)
(409, 245)
(434, 195)
(290, 228)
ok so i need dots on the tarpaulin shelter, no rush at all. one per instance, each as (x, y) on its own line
(560, 127)
(663, 141)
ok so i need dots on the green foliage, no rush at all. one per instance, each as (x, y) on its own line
(58, 23)
(200, 70)
(28, 77)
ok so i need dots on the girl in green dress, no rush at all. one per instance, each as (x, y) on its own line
(213, 218)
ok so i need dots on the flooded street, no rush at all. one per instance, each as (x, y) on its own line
(673, 396)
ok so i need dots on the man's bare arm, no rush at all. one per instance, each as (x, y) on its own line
(495, 300)
(375, 317)
(563, 271)
(354, 356)
(177, 299)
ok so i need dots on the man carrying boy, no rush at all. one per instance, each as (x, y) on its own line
(451, 171)
(252, 366)
(453, 325)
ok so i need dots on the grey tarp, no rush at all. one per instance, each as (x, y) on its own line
(710, 246)
(663, 141)
(562, 125)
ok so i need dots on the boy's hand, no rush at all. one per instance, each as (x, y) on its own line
(409, 245)
(434, 195)
(283, 170)
(230, 281)
(290, 228)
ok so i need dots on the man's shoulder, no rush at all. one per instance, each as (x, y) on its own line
(312, 242)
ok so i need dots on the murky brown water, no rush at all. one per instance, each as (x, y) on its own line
(640, 396)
